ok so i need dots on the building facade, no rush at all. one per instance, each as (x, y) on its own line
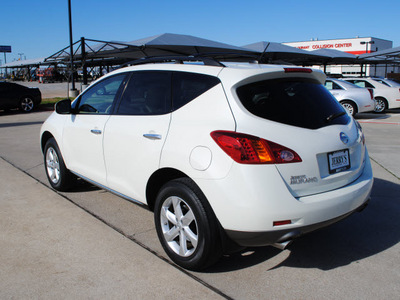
(356, 46)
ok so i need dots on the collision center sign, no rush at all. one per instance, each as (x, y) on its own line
(326, 46)
(5, 49)
(354, 46)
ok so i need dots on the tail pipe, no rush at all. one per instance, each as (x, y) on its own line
(282, 245)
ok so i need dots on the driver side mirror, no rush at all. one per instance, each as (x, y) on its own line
(63, 107)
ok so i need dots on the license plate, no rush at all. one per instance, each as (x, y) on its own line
(338, 161)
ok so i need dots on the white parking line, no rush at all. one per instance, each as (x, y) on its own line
(378, 122)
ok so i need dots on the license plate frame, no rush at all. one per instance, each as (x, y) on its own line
(339, 161)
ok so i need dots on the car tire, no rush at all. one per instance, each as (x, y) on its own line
(186, 225)
(60, 178)
(349, 106)
(380, 105)
(26, 104)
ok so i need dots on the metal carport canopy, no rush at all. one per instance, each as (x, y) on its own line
(25, 63)
(333, 56)
(279, 53)
(390, 55)
(159, 45)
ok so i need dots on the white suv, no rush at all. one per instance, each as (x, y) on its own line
(233, 154)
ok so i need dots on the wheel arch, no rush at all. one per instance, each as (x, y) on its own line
(161, 177)
(45, 137)
(157, 180)
(383, 99)
(352, 102)
(26, 96)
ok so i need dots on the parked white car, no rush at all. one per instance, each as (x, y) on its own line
(386, 97)
(226, 155)
(387, 82)
(353, 98)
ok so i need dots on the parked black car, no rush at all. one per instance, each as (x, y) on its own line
(14, 95)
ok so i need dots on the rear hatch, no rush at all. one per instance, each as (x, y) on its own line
(300, 114)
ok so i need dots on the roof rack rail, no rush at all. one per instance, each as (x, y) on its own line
(208, 59)
(176, 59)
(231, 56)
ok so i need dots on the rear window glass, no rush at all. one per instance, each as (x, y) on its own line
(293, 101)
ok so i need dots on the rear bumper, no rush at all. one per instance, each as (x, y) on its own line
(366, 105)
(256, 239)
(248, 208)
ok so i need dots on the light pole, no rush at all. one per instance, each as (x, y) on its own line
(366, 51)
(73, 91)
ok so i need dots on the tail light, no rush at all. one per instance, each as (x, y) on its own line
(248, 149)
(371, 92)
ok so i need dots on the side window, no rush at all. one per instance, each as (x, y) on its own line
(188, 86)
(359, 83)
(363, 84)
(99, 98)
(329, 85)
(383, 82)
(336, 86)
(147, 93)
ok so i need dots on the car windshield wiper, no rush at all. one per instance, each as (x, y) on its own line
(334, 116)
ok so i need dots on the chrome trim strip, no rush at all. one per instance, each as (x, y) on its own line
(110, 190)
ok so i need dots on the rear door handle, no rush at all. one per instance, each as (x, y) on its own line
(95, 131)
(152, 136)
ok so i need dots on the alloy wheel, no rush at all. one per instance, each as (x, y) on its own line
(179, 226)
(380, 105)
(349, 108)
(27, 104)
(53, 165)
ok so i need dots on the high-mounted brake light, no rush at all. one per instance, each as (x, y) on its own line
(248, 149)
(280, 223)
(297, 70)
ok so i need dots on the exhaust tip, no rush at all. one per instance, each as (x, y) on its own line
(283, 245)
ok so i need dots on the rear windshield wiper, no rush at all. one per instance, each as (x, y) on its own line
(334, 116)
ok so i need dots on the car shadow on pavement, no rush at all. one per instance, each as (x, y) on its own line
(360, 236)
(372, 115)
(368, 116)
(82, 186)
(40, 109)
(3, 125)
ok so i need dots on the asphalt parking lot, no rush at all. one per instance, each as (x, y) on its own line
(89, 243)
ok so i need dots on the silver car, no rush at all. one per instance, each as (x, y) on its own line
(352, 97)
(388, 82)
(386, 97)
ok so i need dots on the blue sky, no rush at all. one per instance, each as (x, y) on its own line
(40, 28)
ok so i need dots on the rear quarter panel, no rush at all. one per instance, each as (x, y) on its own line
(189, 132)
